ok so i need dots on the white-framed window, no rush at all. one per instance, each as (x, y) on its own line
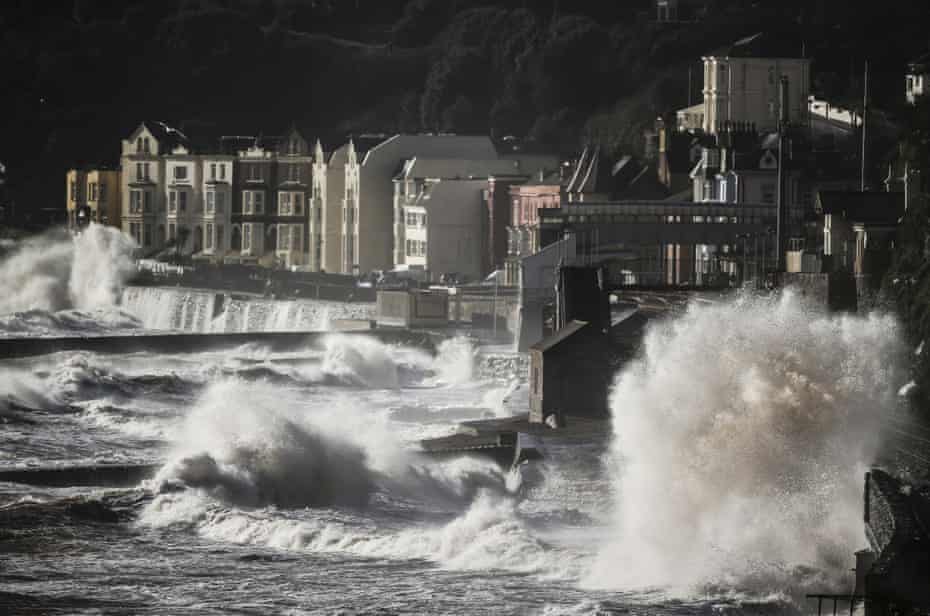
(211, 202)
(172, 201)
(298, 203)
(208, 237)
(246, 237)
(253, 202)
(182, 200)
(297, 232)
(411, 219)
(180, 172)
(284, 203)
(212, 171)
(284, 237)
(222, 171)
(140, 173)
(145, 145)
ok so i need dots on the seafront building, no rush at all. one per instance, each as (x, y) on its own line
(93, 195)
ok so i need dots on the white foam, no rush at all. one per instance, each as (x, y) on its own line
(741, 436)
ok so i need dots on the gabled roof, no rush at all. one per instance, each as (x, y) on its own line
(762, 45)
(451, 168)
(165, 135)
(550, 342)
(882, 208)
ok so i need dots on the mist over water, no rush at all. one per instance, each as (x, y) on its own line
(741, 437)
(55, 271)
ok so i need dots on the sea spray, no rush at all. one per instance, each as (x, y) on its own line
(741, 436)
(56, 271)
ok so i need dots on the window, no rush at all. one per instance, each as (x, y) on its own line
(298, 202)
(135, 202)
(171, 232)
(284, 203)
(136, 232)
(140, 175)
(211, 202)
(146, 169)
(172, 201)
(411, 219)
(208, 237)
(147, 201)
(319, 215)
(422, 220)
(145, 144)
(220, 202)
(139, 145)
(350, 194)
(180, 172)
(222, 171)
(182, 200)
(253, 202)
(296, 238)
(212, 171)
(409, 248)
(283, 237)
(768, 193)
(254, 173)
(220, 240)
(246, 237)
(259, 202)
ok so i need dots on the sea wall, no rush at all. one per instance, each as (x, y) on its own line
(196, 310)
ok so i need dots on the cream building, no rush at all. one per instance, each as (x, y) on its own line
(216, 173)
(143, 183)
(741, 86)
(370, 164)
(93, 195)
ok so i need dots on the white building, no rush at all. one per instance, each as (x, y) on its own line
(183, 199)
(444, 228)
(418, 173)
(143, 182)
(917, 81)
(215, 220)
(368, 166)
(741, 86)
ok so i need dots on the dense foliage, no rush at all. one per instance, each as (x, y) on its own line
(80, 75)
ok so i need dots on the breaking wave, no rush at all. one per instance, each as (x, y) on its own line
(252, 465)
(741, 438)
(55, 271)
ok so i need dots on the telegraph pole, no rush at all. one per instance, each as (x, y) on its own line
(781, 229)
(865, 115)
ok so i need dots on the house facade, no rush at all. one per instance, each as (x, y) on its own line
(523, 233)
(370, 164)
(143, 184)
(216, 173)
(917, 79)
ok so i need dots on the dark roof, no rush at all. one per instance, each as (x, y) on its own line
(862, 207)
(919, 64)
(165, 134)
(560, 336)
(763, 45)
(363, 143)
